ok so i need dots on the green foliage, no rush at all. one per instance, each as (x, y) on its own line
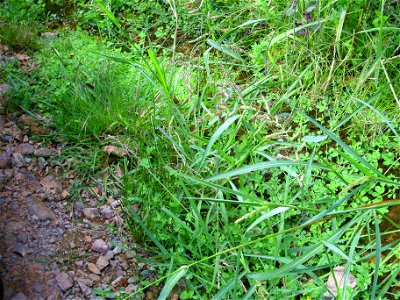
(19, 36)
(27, 10)
(257, 165)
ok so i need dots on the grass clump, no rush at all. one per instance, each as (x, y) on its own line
(19, 37)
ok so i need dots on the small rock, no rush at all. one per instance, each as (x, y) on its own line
(94, 269)
(120, 273)
(19, 296)
(16, 133)
(15, 226)
(107, 212)
(94, 277)
(85, 281)
(102, 262)
(117, 250)
(110, 254)
(100, 246)
(38, 287)
(175, 296)
(42, 163)
(8, 292)
(43, 152)
(79, 263)
(50, 184)
(78, 208)
(37, 207)
(64, 281)
(17, 160)
(91, 212)
(115, 203)
(147, 273)
(22, 237)
(133, 279)
(5, 160)
(19, 176)
(119, 281)
(84, 288)
(124, 265)
(24, 148)
(64, 194)
(21, 249)
(131, 288)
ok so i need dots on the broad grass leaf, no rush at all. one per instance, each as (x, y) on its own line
(224, 50)
(171, 282)
(215, 137)
(267, 215)
(314, 138)
(253, 168)
(336, 249)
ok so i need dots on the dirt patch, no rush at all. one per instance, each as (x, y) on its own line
(52, 246)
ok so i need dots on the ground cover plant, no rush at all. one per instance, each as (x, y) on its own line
(262, 138)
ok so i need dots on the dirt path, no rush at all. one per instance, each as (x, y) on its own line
(52, 246)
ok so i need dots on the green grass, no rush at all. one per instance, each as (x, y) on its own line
(261, 158)
(19, 36)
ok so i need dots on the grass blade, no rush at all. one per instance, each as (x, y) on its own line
(256, 167)
(224, 50)
(377, 256)
(343, 145)
(171, 282)
(215, 137)
(109, 14)
(336, 250)
(267, 215)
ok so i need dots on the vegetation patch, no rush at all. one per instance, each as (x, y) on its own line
(261, 140)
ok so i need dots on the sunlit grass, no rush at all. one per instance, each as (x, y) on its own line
(259, 165)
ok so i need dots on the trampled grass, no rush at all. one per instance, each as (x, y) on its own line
(261, 159)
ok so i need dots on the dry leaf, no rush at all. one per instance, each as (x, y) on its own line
(112, 150)
(119, 172)
(339, 273)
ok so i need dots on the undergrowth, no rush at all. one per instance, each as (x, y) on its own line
(263, 139)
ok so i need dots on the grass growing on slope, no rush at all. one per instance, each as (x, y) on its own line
(270, 199)
(259, 160)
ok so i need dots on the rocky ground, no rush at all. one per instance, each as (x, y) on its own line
(51, 245)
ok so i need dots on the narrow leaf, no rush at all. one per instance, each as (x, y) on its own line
(109, 14)
(336, 249)
(314, 138)
(267, 215)
(215, 137)
(171, 282)
(225, 50)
